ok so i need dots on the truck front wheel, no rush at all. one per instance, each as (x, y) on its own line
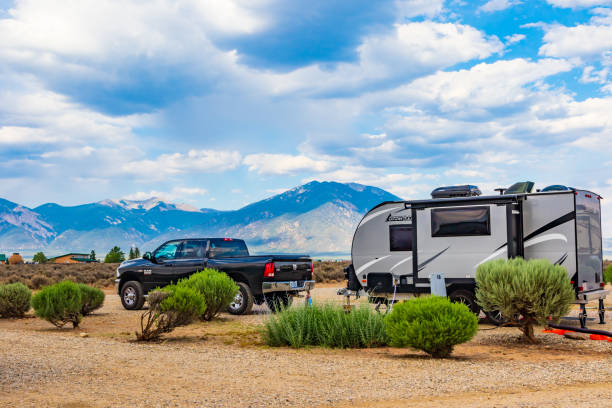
(132, 295)
(278, 301)
(243, 301)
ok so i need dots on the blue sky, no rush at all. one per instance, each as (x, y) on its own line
(219, 103)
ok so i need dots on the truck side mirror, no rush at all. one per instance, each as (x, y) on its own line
(148, 256)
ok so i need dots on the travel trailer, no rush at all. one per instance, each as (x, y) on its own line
(398, 246)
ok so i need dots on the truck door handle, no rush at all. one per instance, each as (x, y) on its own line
(168, 264)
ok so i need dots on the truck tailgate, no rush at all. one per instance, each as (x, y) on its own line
(292, 271)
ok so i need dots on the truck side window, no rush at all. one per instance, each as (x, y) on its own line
(226, 248)
(400, 237)
(167, 251)
(460, 222)
(190, 249)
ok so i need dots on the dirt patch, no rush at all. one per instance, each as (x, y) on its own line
(223, 364)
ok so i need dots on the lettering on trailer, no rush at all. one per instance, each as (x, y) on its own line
(392, 217)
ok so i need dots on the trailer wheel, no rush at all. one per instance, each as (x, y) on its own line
(466, 297)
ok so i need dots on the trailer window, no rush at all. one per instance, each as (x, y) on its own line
(460, 222)
(400, 237)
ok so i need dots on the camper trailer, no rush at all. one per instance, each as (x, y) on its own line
(399, 247)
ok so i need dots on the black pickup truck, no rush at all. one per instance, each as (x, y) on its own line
(273, 279)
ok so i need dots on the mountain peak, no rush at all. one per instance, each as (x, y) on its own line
(147, 204)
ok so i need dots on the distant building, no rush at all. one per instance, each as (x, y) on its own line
(15, 259)
(71, 258)
(3, 259)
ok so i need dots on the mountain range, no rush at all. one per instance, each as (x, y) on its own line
(316, 218)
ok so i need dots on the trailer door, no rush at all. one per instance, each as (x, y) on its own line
(588, 234)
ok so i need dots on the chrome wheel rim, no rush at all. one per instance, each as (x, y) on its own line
(129, 296)
(237, 302)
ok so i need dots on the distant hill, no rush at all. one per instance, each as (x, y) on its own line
(318, 218)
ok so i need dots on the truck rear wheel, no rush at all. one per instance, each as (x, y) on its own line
(466, 297)
(243, 301)
(278, 301)
(132, 295)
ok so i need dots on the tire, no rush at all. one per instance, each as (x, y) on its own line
(243, 301)
(466, 297)
(495, 318)
(278, 301)
(132, 295)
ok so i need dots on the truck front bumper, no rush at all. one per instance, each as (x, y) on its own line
(289, 286)
(117, 281)
(585, 297)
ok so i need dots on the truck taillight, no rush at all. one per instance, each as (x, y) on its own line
(269, 270)
(227, 239)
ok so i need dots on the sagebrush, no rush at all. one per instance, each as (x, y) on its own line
(525, 292)
(433, 324)
(608, 274)
(59, 304)
(217, 288)
(170, 307)
(91, 299)
(14, 300)
(327, 326)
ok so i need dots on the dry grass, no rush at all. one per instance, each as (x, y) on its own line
(329, 271)
(36, 276)
(102, 275)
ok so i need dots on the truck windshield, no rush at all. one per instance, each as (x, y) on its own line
(222, 248)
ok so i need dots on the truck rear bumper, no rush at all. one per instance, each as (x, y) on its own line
(585, 297)
(289, 286)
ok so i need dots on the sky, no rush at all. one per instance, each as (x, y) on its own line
(219, 103)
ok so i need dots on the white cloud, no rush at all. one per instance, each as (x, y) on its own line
(414, 8)
(514, 38)
(412, 49)
(194, 161)
(484, 86)
(177, 193)
(70, 153)
(582, 40)
(266, 163)
(578, 3)
(498, 5)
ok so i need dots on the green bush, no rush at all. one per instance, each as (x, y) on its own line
(525, 292)
(217, 288)
(91, 299)
(433, 324)
(59, 304)
(328, 326)
(607, 275)
(169, 308)
(14, 300)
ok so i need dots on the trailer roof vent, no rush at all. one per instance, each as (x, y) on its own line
(456, 191)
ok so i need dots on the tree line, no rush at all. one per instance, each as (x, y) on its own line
(115, 255)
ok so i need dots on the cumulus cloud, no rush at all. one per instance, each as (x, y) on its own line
(514, 38)
(194, 161)
(582, 40)
(266, 163)
(498, 5)
(574, 4)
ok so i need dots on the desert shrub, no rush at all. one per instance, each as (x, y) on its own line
(327, 271)
(525, 292)
(59, 304)
(327, 326)
(608, 274)
(91, 299)
(38, 281)
(169, 308)
(217, 288)
(14, 300)
(433, 324)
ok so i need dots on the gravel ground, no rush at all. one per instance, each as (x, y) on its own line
(198, 366)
